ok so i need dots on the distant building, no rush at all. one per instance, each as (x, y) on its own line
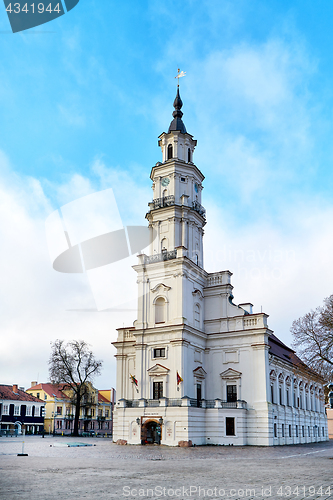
(95, 413)
(20, 411)
(196, 368)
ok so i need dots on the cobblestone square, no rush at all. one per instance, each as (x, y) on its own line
(103, 470)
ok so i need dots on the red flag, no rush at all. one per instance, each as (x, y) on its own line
(179, 379)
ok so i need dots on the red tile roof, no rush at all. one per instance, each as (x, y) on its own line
(6, 392)
(53, 390)
(103, 399)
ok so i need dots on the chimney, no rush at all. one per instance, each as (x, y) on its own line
(33, 383)
(15, 389)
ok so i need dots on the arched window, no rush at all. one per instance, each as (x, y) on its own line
(188, 155)
(170, 152)
(160, 310)
(197, 316)
(164, 244)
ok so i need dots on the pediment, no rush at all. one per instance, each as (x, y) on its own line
(158, 370)
(198, 294)
(230, 373)
(161, 286)
(199, 372)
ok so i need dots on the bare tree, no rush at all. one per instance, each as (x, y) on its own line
(74, 365)
(313, 339)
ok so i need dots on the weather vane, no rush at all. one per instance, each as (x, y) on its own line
(180, 75)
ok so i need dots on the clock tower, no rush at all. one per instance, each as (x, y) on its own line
(174, 268)
(176, 215)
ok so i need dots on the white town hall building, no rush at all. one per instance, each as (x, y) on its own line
(196, 368)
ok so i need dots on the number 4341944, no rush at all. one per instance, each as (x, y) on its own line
(34, 7)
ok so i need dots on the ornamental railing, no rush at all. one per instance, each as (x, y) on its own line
(193, 402)
(199, 208)
(166, 201)
(160, 257)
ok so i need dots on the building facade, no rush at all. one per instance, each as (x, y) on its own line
(196, 368)
(20, 411)
(95, 412)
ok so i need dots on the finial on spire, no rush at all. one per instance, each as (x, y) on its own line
(177, 122)
(180, 74)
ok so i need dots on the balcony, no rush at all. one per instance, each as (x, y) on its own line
(199, 208)
(160, 257)
(202, 403)
(166, 201)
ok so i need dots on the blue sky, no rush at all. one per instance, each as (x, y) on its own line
(83, 100)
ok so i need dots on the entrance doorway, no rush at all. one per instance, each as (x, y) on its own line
(151, 433)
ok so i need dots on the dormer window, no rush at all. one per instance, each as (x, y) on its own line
(170, 152)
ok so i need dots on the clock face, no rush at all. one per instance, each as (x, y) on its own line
(165, 181)
(196, 187)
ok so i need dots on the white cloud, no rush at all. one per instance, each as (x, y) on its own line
(39, 305)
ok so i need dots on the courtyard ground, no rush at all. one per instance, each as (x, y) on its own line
(54, 471)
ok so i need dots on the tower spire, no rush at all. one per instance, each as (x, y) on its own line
(177, 122)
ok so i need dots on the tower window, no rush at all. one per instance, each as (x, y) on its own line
(197, 316)
(188, 155)
(159, 353)
(157, 390)
(160, 310)
(170, 152)
(183, 179)
(231, 393)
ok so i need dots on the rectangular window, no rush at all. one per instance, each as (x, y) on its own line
(182, 179)
(297, 431)
(290, 431)
(157, 390)
(323, 431)
(199, 396)
(280, 396)
(309, 434)
(229, 426)
(294, 399)
(107, 413)
(59, 410)
(45, 396)
(301, 402)
(231, 393)
(275, 430)
(287, 394)
(17, 410)
(38, 394)
(5, 410)
(159, 353)
(99, 413)
(28, 411)
(297, 402)
(272, 394)
(282, 430)
(303, 431)
(37, 411)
